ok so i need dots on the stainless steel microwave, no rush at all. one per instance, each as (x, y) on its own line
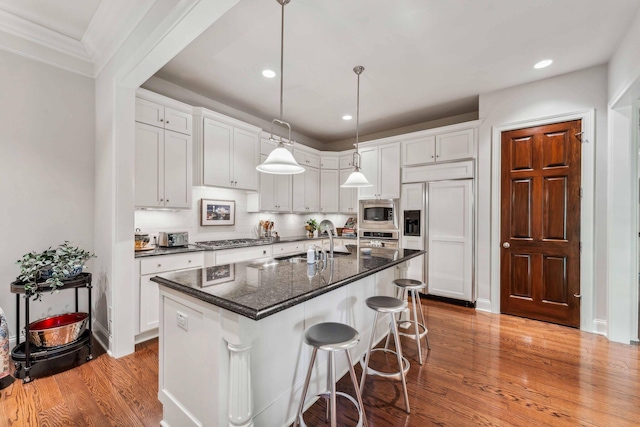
(379, 214)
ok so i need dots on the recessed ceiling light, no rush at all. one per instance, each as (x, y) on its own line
(543, 64)
(269, 73)
(347, 117)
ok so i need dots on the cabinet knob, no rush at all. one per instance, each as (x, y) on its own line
(161, 120)
(167, 122)
(189, 261)
(162, 200)
(235, 182)
(159, 265)
(167, 200)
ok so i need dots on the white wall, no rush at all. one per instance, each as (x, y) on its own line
(568, 93)
(46, 181)
(624, 65)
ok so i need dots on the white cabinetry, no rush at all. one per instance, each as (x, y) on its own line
(274, 193)
(289, 248)
(381, 166)
(329, 190)
(148, 295)
(306, 189)
(158, 115)
(226, 151)
(306, 158)
(439, 148)
(450, 239)
(413, 199)
(163, 157)
(348, 202)
(329, 162)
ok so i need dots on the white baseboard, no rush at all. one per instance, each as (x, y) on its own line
(600, 327)
(102, 335)
(483, 305)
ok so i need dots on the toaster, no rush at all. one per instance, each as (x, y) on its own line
(173, 239)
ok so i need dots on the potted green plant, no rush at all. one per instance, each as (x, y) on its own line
(51, 267)
(311, 226)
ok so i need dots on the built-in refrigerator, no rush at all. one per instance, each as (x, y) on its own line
(437, 216)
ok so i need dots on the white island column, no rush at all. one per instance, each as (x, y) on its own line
(239, 334)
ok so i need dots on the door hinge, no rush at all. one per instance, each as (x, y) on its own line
(580, 138)
(580, 246)
(581, 192)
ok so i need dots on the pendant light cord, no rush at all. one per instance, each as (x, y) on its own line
(282, 56)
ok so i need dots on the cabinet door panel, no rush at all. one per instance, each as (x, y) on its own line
(455, 145)
(149, 303)
(419, 151)
(267, 190)
(312, 189)
(329, 162)
(177, 170)
(369, 167)
(412, 197)
(298, 199)
(329, 191)
(346, 162)
(450, 239)
(217, 151)
(389, 173)
(149, 112)
(283, 193)
(245, 156)
(149, 161)
(348, 196)
(177, 121)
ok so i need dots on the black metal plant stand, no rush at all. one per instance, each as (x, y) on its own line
(25, 354)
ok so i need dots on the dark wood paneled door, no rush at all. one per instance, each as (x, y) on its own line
(540, 223)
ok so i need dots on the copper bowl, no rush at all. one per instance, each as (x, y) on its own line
(58, 330)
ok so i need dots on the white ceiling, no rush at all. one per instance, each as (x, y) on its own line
(423, 59)
(68, 17)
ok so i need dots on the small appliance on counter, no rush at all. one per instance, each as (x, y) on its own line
(173, 239)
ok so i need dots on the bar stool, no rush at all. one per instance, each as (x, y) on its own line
(391, 306)
(412, 287)
(332, 337)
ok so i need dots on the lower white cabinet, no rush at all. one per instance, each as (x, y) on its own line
(289, 248)
(148, 295)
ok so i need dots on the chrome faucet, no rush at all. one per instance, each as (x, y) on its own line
(328, 225)
(321, 254)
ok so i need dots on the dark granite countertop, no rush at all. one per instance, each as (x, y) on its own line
(169, 251)
(257, 290)
(255, 242)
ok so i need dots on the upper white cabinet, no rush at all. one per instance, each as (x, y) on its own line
(442, 147)
(329, 190)
(226, 151)
(381, 166)
(348, 202)
(306, 158)
(158, 115)
(275, 192)
(329, 162)
(346, 161)
(163, 157)
(306, 188)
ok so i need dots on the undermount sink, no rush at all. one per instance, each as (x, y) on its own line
(294, 260)
(300, 258)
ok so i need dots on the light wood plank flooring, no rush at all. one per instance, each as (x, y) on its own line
(482, 369)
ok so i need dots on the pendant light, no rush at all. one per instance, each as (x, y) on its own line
(280, 161)
(357, 178)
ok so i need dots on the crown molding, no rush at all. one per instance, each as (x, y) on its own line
(35, 33)
(111, 25)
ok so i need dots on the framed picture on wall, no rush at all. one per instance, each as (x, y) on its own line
(218, 274)
(217, 212)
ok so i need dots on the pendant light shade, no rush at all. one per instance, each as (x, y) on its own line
(357, 178)
(280, 161)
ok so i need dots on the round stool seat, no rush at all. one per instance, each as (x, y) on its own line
(330, 336)
(409, 284)
(384, 304)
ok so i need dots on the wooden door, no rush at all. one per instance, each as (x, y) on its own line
(540, 223)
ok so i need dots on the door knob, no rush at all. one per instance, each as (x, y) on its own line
(506, 245)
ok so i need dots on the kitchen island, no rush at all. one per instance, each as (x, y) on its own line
(231, 337)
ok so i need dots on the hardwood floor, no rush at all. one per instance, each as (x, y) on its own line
(482, 369)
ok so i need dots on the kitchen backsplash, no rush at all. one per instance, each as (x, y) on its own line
(246, 223)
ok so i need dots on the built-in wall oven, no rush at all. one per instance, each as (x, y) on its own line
(379, 239)
(381, 214)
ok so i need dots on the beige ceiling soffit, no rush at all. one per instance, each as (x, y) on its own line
(112, 23)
